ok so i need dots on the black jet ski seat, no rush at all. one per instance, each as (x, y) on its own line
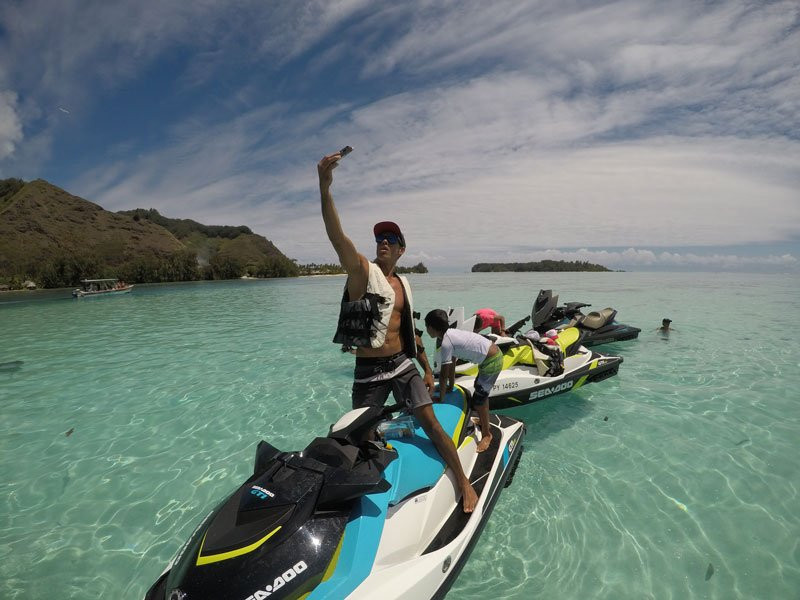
(332, 453)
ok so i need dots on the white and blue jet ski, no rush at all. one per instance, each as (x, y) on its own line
(349, 518)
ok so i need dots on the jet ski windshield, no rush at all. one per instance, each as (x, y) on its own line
(276, 502)
(543, 307)
(263, 506)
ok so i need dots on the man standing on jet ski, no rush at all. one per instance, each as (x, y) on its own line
(376, 317)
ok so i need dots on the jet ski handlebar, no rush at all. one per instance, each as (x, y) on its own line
(517, 326)
(575, 305)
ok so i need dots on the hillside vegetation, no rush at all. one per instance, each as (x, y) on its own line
(337, 269)
(56, 239)
(227, 250)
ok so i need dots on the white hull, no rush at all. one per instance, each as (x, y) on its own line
(401, 570)
(84, 294)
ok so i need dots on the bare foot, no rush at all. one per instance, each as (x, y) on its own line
(484, 443)
(469, 499)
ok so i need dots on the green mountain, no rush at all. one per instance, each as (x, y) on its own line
(56, 239)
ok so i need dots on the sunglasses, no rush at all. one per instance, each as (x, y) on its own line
(389, 237)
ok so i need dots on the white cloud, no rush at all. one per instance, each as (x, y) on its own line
(73, 52)
(106, 43)
(495, 181)
(10, 124)
(295, 27)
(540, 125)
(523, 170)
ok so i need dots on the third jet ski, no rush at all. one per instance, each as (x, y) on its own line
(348, 517)
(597, 327)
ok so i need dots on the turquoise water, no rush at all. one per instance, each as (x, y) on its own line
(167, 390)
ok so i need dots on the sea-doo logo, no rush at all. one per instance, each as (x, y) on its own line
(551, 390)
(262, 493)
(280, 581)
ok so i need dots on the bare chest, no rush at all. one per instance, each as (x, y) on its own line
(399, 297)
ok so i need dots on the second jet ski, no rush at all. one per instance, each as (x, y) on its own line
(534, 370)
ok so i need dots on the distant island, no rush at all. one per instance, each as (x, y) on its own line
(417, 268)
(336, 269)
(549, 266)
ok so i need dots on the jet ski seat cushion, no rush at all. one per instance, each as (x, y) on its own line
(596, 319)
(567, 338)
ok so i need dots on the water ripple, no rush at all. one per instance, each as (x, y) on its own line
(167, 392)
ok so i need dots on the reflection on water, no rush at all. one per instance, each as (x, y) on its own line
(125, 419)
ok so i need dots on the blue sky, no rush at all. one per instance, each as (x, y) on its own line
(639, 134)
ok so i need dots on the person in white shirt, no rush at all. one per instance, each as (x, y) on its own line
(457, 343)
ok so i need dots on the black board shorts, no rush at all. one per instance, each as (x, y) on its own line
(374, 378)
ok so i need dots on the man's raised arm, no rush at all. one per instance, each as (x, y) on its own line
(350, 259)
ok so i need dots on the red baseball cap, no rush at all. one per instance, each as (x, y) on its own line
(390, 227)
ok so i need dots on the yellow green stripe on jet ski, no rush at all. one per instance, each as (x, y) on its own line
(205, 560)
(582, 380)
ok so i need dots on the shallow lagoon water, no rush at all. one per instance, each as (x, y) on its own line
(130, 416)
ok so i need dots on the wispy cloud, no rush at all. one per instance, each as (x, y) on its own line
(10, 124)
(565, 125)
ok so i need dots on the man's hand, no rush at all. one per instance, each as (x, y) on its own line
(429, 383)
(325, 169)
(354, 263)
